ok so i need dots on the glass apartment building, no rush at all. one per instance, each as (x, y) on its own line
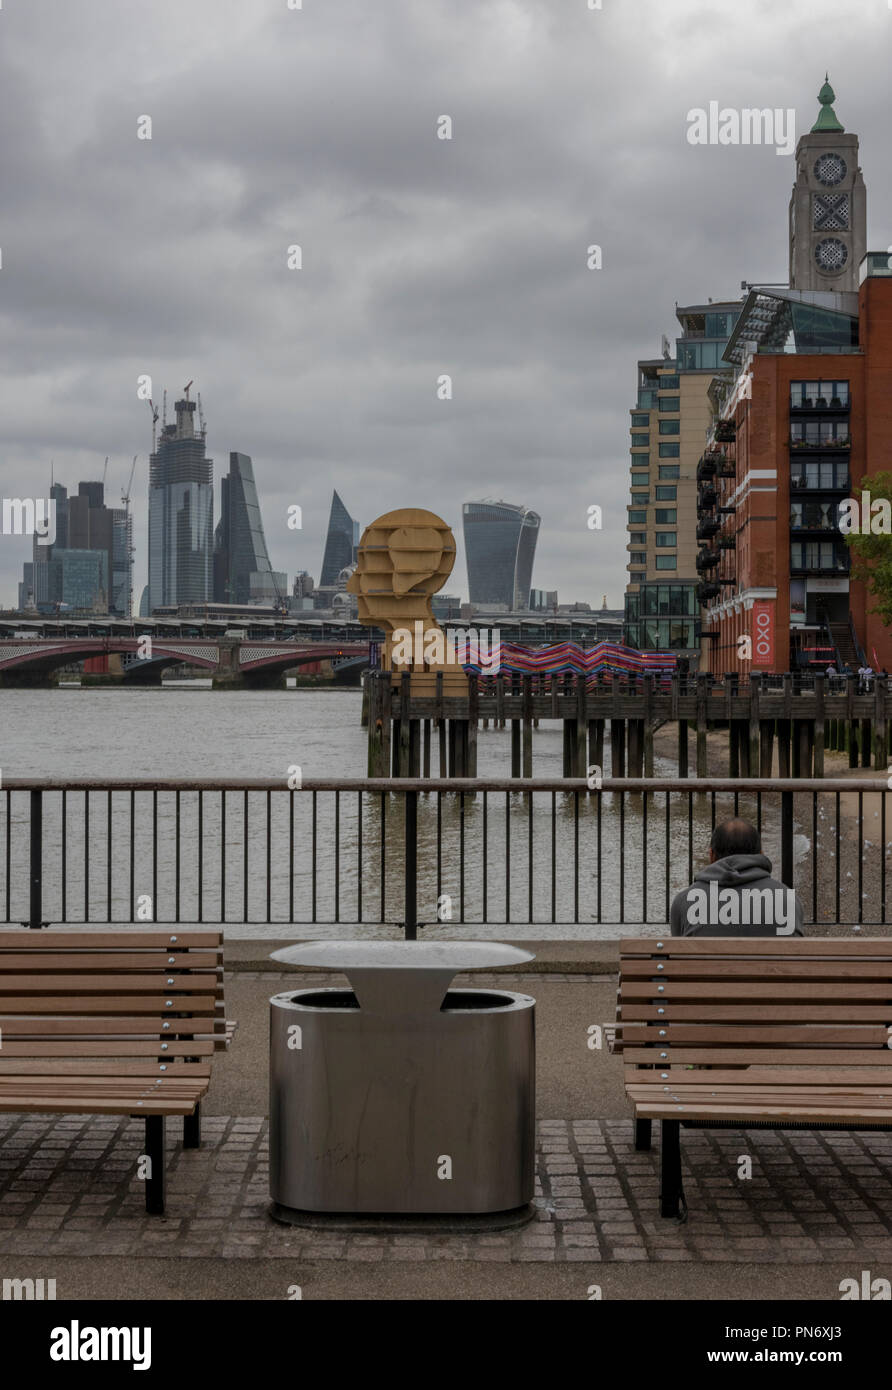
(500, 547)
(668, 426)
(181, 513)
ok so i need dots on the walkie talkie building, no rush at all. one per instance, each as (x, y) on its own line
(500, 546)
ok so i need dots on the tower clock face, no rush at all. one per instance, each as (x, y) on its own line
(831, 212)
(831, 254)
(830, 169)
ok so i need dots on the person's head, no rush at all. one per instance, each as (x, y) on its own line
(734, 837)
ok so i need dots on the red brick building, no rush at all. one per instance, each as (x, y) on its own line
(804, 424)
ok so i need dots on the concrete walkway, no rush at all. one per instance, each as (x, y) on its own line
(817, 1208)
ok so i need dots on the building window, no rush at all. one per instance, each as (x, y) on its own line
(640, 479)
(666, 540)
(638, 557)
(670, 427)
(667, 562)
(640, 441)
(640, 422)
(669, 383)
(666, 516)
(669, 451)
(819, 395)
(647, 399)
(812, 434)
(640, 499)
(637, 538)
(666, 494)
(670, 470)
(670, 403)
(637, 518)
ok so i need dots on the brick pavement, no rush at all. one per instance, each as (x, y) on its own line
(68, 1187)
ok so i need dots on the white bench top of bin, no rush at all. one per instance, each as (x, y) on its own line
(387, 975)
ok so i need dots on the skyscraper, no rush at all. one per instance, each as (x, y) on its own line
(341, 541)
(181, 513)
(242, 570)
(64, 573)
(500, 546)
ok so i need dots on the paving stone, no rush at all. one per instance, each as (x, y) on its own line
(68, 1186)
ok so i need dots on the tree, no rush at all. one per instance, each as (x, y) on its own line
(872, 554)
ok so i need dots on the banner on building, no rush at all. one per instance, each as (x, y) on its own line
(763, 634)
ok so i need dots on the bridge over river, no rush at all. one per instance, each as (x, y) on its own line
(229, 661)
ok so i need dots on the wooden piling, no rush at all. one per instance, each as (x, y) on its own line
(819, 729)
(527, 726)
(702, 758)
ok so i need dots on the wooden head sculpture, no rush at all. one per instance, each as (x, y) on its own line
(403, 559)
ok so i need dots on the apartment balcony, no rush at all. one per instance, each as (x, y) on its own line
(706, 498)
(809, 404)
(707, 559)
(706, 468)
(707, 591)
(828, 444)
(726, 431)
(707, 527)
(820, 482)
(819, 557)
(728, 543)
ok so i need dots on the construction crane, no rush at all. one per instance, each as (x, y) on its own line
(125, 498)
(164, 411)
(154, 409)
(105, 473)
(186, 388)
(202, 426)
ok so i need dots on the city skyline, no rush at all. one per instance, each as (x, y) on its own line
(469, 256)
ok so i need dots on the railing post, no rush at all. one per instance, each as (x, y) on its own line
(411, 857)
(36, 909)
(787, 839)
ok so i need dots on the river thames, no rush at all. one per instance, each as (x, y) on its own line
(504, 869)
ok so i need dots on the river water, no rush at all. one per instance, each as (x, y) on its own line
(243, 872)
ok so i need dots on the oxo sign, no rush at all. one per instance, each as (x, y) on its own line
(763, 634)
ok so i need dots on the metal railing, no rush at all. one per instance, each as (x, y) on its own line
(431, 854)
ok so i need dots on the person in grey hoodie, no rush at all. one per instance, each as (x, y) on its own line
(735, 894)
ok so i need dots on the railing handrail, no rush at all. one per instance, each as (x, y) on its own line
(456, 784)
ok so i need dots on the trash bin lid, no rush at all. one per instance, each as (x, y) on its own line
(400, 976)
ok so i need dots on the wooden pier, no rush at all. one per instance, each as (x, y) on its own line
(411, 735)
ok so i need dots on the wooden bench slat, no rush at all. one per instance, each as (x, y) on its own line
(98, 1105)
(851, 1077)
(685, 1054)
(155, 983)
(631, 947)
(762, 990)
(739, 1111)
(83, 1004)
(88, 1066)
(116, 1048)
(59, 938)
(744, 1013)
(143, 1026)
(858, 1035)
(37, 962)
(702, 968)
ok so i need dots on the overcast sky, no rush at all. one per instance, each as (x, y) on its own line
(421, 256)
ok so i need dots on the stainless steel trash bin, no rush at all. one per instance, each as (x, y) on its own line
(401, 1095)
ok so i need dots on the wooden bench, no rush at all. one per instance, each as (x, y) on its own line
(771, 1032)
(112, 1023)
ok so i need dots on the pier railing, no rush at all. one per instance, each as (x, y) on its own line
(433, 856)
